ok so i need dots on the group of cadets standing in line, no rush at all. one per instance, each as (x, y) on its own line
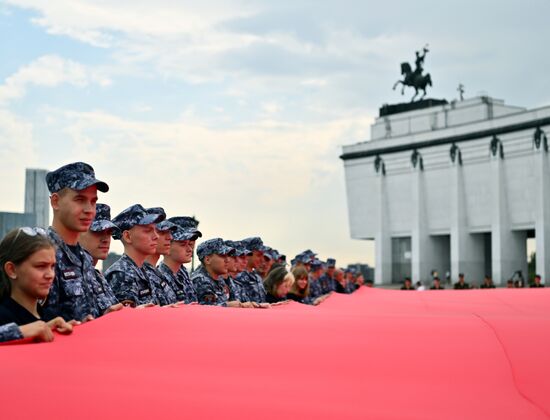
(231, 273)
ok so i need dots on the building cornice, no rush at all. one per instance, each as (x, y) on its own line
(476, 135)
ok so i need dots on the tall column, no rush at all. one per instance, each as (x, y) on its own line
(383, 257)
(467, 252)
(422, 245)
(508, 248)
(542, 203)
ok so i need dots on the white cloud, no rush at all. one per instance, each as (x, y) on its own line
(49, 71)
(17, 152)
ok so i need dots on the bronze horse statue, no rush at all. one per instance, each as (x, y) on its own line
(414, 79)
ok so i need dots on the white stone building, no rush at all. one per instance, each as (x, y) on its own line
(456, 187)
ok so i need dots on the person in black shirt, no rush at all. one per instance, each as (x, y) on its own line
(299, 291)
(437, 284)
(537, 281)
(407, 285)
(27, 258)
(487, 283)
(461, 284)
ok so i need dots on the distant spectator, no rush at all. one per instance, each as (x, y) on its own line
(407, 284)
(487, 283)
(419, 286)
(461, 284)
(437, 284)
(519, 282)
(510, 284)
(369, 283)
(537, 281)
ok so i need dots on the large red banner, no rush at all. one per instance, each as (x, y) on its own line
(378, 354)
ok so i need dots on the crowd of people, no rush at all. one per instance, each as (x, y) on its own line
(462, 284)
(49, 281)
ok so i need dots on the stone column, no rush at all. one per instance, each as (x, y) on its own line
(508, 248)
(542, 206)
(383, 257)
(422, 245)
(467, 252)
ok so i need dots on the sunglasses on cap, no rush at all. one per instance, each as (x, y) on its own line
(29, 231)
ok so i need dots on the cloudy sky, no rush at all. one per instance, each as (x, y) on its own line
(235, 111)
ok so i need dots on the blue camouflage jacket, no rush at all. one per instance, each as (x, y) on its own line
(164, 292)
(327, 284)
(315, 289)
(129, 282)
(210, 291)
(73, 291)
(104, 293)
(180, 282)
(252, 286)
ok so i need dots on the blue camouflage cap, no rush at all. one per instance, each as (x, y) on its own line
(239, 247)
(331, 262)
(135, 215)
(232, 249)
(188, 228)
(76, 176)
(316, 264)
(253, 243)
(102, 220)
(303, 258)
(185, 235)
(166, 225)
(268, 252)
(309, 253)
(275, 254)
(185, 221)
(212, 246)
(242, 249)
(157, 210)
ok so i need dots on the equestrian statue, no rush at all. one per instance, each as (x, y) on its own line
(415, 78)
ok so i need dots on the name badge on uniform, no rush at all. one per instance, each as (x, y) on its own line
(144, 292)
(69, 274)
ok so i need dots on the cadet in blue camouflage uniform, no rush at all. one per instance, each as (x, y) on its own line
(164, 290)
(73, 189)
(208, 278)
(184, 246)
(249, 279)
(126, 276)
(96, 241)
(316, 269)
(181, 252)
(327, 282)
(233, 270)
(240, 277)
(350, 275)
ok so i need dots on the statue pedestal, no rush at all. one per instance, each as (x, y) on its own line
(410, 106)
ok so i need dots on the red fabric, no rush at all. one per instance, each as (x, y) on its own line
(381, 354)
